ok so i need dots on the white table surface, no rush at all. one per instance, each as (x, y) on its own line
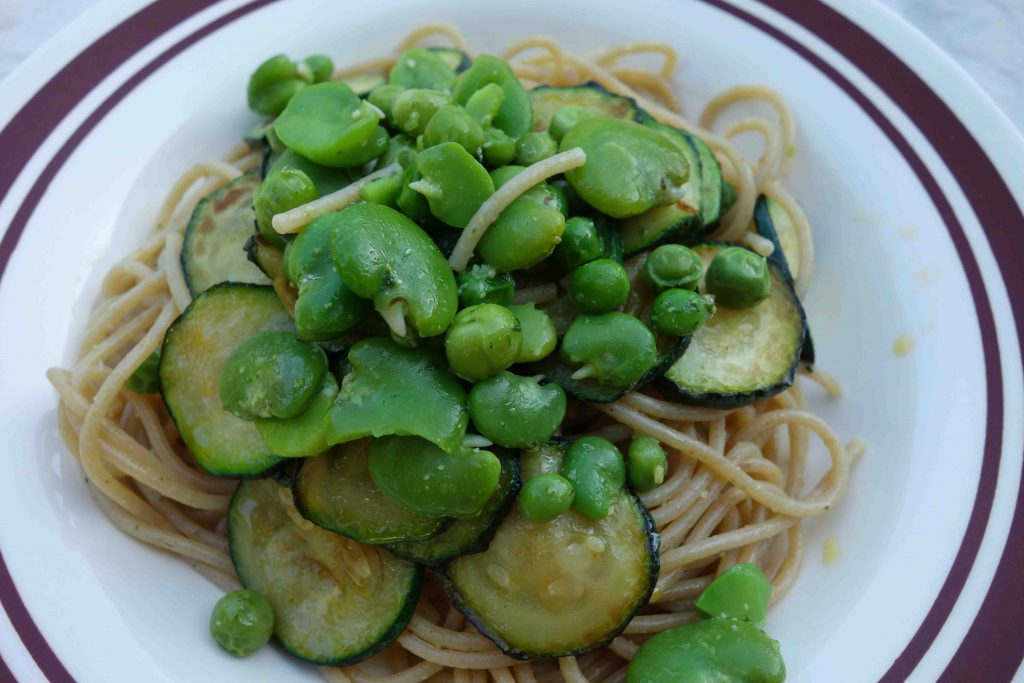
(983, 35)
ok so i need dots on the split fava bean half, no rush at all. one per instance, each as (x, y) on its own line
(426, 479)
(629, 168)
(454, 183)
(615, 348)
(597, 472)
(382, 255)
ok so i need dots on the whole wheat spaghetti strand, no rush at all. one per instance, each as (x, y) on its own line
(571, 671)
(447, 30)
(611, 56)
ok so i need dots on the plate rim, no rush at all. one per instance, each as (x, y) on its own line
(820, 19)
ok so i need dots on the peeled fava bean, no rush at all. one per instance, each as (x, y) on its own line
(454, 124)
(418, 67)
(382, 255)
(412, 109)
(272, 85)
(426, 479)
(395, 390)
(597, 472)
(273, 374)
(331, 125)
(515, 114)
(615, 348)
(482, 341)
(630, 168)
(515, 411)
(539, 335)
(325, 307)
(710, 650)
(454, 183)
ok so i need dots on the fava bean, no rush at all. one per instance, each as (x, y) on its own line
(515, 115)
(383, 97)
(545, 497)
(498, 148)
(535, 146)
(597, 472)
(740, 592)
(454, 183)
(482, 341)
(647, 463)
(581, 243)
(303, 435)
(516, 412)
(483, 105)
(418, 67)
(272, 85)
(567, 117)
(412, 109)
(331, 125)
(280, 191)
(454, 124)
(630, 168)
(423, 478)
(539, 335)
(615, 348)
(724, 650)
(273, 374)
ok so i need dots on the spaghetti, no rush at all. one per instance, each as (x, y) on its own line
(736, 486)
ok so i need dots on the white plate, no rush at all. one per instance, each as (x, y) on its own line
(911, 177)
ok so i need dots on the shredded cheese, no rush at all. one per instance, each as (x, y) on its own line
(294, 220)
(506, 194)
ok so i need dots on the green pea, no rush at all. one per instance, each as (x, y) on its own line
(382, 255)
(482, 284)
(483, 105)
(615, 348)
(316, 68)
(395, 390)
(146, 378)
(454, 183)
(723, 650)
(738, 278)
(273, 85)
(535, 146)
(325, 307)
(498, 148)
(331, 125)
(423, 478)
(418, 67)
(483, 340)
(740, 592)
(242, 622)
(630, 168)
(539, 334)
(383, 97)
(673, 265)
(680, 312)
(544, 497)
(383, 190)
(567, 117)
(528, 230)
(581, 243)
(647, 463)
(515, 115)
(599, 286)
(454, 124)
(280, 191)
(413, 109)
(597, 472)
(516, 412)
(274, 374)
(303, 435)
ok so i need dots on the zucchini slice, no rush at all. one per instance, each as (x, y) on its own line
(362, 84)
(710, 184)
(269, 258)
(561, 588)
(547, 99)
(741, 356)
(335, 491)
(471, 534)
(195, 349)
(214, 246)
(335, 601)
(775, 224)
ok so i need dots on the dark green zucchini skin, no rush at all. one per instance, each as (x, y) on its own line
(548, 99)
(213, 248)
(400, 620)
(766, 228)
(652, 541)
(781, 285)
(465, 536)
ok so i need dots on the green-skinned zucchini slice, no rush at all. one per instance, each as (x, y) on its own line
(335, 601)
(547, 100)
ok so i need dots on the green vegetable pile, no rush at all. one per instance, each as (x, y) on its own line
(394, 393)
